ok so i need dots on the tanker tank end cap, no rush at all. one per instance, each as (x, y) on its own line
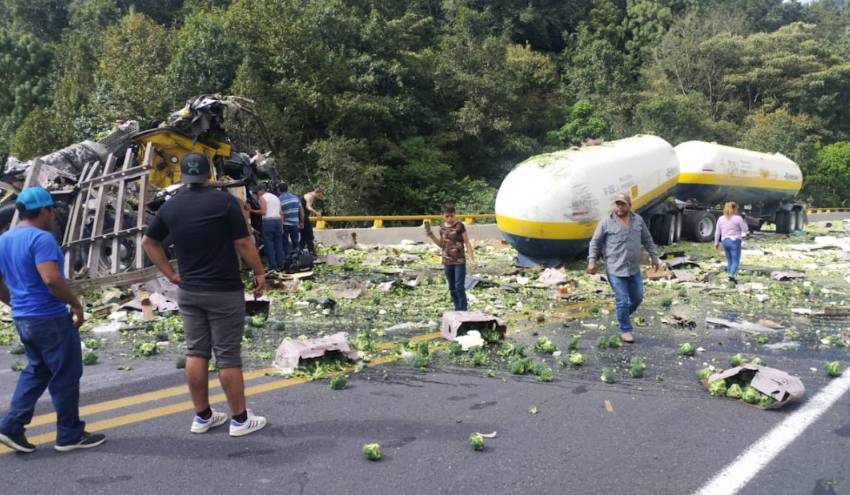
(622, 198)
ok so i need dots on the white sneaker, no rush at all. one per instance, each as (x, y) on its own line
(200, 425)
(252, 424)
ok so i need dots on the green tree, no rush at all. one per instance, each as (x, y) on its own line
(132, 79)
(43, 18)
(205, 56)
(36, 136)
(832, 176)
(345, 170)
(582, 123)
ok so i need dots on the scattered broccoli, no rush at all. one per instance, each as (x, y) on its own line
(576, 359)
(687, 349)
(750, 395)
(491, 335)
(520, 365)
(761, 339)
(92, 344)
(666, 303)
(89, 358)
(146, 349)
(372, 451)
(637, 367)
(614, 342)
(765, 400)
(18, 366)
(602, 342)
(339, 382)
(257, 321)
(833, 368)
(607, 375)
(738, 359)
(545, 346)
(640, 321)
(180, 362)
(422, 348)
(542, 372)
(594, 310)
(533, 410)
(703, 373)
(478, 356)
(717, 388)
(454, 348)
(363, 341)
(758, 361)
(573, 344)
(491, 374)
(734, 391)
(476, 441)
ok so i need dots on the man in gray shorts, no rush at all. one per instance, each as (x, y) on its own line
(209, 230)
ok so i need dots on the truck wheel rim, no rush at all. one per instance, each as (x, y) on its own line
(705, 227)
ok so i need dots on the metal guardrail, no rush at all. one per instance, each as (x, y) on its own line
(468, 219)
(816, 211)
(378, 220)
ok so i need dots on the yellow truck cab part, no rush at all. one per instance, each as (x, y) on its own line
(169, 147)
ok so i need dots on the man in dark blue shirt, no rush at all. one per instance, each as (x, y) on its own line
(34, 286)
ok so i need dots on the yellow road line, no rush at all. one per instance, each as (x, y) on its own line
(126, 419)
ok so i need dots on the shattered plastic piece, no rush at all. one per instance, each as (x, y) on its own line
(744, 326)
(350, 289)
(533, 410)
(456, 323)
(784, 276)
(290, 352)
(111, 327)
(552, 276)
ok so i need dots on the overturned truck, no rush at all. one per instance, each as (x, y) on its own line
(107, 191)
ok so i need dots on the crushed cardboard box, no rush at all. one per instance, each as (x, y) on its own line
(459, 322)
(779, 385)
(290, 352)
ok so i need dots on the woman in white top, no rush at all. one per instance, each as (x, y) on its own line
(731, 228)
(272, 227)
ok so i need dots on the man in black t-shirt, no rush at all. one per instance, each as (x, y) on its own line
(209, 230)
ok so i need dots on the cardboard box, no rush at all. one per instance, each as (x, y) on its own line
(778, 384)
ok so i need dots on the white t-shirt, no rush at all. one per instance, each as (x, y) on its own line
(272, 207)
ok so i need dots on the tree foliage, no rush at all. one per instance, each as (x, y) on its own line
(400, 105)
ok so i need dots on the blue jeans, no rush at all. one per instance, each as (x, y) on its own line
(732, 247)
(291, 239)
(628, 294)
(55, 363)
(273, 243)
(456, 276)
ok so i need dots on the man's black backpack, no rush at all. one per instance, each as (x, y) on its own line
(298, 261)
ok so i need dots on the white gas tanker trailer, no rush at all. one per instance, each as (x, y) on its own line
(548, 206)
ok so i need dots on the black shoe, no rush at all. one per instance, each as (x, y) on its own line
(17, 442)
(87, 441)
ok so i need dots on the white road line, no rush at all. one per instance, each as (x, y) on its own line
(745, 467)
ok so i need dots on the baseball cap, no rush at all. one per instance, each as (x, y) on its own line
(625, 198)
(194, 169)
(34, 198)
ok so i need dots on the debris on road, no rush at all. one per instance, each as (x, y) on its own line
(476, 441)
(290, 352)
(767, 388)
(372, 451)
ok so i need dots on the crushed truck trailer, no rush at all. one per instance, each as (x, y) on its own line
(107, 191)
(548, 206)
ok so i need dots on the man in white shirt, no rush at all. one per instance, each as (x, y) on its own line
(272, 227)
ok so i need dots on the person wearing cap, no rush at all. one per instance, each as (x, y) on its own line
(618, 239)
(272, 227)
(35, 287)
(210, 235)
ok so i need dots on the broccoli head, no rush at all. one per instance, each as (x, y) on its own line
(545, 346)
(372, 451)
(758, 361)
(339, 382)
(542, 372)
(765, 400)
(576, 359)
(602, 342)
(614, 342)
(687, 349)
(833, 368)
(703, 373)
(257, 321)
(734, 391)
(717, 388)
(750, 395)
(608, 376)
(738, 359)
(573, 344)
(476, 441)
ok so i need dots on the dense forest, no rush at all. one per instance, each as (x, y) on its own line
(399, 105)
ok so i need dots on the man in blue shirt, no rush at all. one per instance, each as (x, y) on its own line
(34, 286)
(293, 219)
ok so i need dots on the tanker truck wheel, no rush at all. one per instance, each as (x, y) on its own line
(663, 229)
(699, 226)
(782, 219)
(677, 223)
